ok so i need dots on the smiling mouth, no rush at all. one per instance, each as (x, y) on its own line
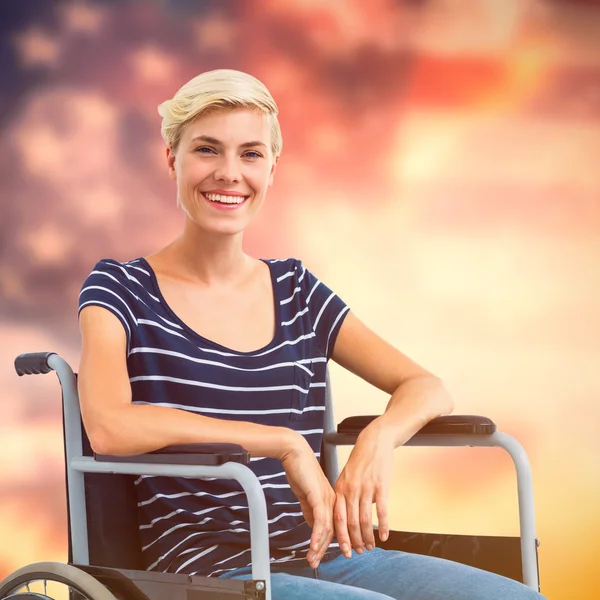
(229, 200)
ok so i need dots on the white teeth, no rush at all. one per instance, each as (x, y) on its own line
(225, 199)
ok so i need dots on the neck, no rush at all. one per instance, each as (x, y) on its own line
(209, 258)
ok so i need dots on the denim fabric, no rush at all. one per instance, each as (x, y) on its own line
(385, 574)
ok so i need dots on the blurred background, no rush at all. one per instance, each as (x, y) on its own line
(440, 172)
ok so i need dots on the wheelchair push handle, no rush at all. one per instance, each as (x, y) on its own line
(33, 363)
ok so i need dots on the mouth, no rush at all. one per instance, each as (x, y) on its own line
(225, 201)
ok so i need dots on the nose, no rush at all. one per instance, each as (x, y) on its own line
(228, 170)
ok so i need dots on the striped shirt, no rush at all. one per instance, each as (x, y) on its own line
(202, 526)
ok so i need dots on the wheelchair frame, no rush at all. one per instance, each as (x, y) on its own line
(444, 431)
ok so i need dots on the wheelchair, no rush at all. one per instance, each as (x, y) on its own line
(104, 560)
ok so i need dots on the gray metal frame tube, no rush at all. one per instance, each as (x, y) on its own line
(259, 527)
(524, 484)
(329, 456)
(73, 448)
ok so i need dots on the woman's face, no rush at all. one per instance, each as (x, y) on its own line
(223, 167)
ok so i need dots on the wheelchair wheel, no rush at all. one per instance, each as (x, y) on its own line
(52, 581)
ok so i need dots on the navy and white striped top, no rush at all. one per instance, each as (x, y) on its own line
(202, 526)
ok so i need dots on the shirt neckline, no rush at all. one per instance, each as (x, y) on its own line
(193, 333)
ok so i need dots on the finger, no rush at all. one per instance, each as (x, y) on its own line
(366, 520)
(319, 537)
(352, 511)
(382, 515)
(324, 547)
(340, 523)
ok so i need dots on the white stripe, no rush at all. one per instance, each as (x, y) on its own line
(285, 276)
(231, 557)
(288, 300)
(311, 291)
(303, 274)
(309, 431)
(272, 476)
(285, 558)
(228, 411)
(183, 494)
(155, 324)
(280, 516)
(345, 309)
(291, 557)
(132, 266)
(216, 386)
(277, 486)
(99, 287)
(298, 314)
(306, 543)
(280, 532)
(203, 361)
(285, 343)
(143, 477)
(203, 553)
(322, 310)
(317, 359)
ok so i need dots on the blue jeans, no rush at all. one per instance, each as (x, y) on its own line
(386, 574)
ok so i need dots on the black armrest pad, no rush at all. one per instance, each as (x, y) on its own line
(186, 454)
(452, 424)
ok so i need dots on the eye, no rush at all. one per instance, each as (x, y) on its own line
(204, 150)
(253, 154)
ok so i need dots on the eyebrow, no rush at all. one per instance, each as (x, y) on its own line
(216, 142)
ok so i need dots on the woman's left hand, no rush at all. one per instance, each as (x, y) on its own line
(364, 480)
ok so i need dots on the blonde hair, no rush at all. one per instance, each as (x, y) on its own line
(222, 88)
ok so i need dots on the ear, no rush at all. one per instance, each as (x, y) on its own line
(273, 169)
(171, 163)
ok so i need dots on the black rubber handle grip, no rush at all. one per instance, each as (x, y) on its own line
(451, 424)
(33, 363)
(187, 454)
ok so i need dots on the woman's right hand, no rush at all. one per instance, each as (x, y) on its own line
(316, 496)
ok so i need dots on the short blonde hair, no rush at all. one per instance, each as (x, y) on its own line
(222, 88)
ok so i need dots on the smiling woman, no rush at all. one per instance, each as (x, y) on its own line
(200, 342)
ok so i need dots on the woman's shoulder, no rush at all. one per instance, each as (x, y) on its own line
(116, 274)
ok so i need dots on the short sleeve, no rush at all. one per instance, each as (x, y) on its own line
(326, 309)
(107, 286)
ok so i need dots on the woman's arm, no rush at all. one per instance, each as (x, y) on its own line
(115, 426)
(417, 396)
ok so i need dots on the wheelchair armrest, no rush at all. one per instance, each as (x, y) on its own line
(186, 454)
(452, 424)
